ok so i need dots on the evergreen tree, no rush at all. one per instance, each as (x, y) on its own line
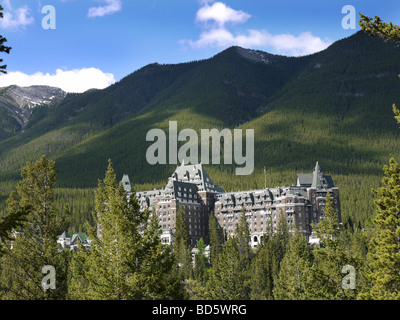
(10, 223)
(262, 270)
(266, 265)
(384, 251)
(200, 261)
(326, 272)
(280, 242)
(183, 260)
(35, 245)
(378, 27)
(181, 228)
(181, 246)
(383, 255)
(227, 280)
(328, 228)
(281, 237)
(216, 238)
(242, 233)
(154, 271)
(126, 259)
(293, 274)
(3, 48)
(194, 290)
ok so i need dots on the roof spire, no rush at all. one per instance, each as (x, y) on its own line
(317, 176)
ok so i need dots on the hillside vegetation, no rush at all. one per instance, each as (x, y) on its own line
(334, 106)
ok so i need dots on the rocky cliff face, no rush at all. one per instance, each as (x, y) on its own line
(16, 104)
(30, 97)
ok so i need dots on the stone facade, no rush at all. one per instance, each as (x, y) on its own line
(191, 187)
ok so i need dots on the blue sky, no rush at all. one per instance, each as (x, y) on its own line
(98, 42)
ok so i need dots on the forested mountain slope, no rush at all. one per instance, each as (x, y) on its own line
(334, 106)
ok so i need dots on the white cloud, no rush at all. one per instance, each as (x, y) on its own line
(15, 19)
(305, 43)
(77, 80)
(221, 14)
(111, 7)
(216, 33)
(284, 44)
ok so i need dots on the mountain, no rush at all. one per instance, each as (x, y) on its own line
(334, 106)
(16, 104)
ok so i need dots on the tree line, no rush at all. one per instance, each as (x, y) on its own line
(127, 260)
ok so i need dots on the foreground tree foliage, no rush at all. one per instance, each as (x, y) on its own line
(384, 254)
(126, 259)
(183, 267)
(329, 260)
(228, 280)
(34, 245)
(380, 28)
(216, 238)
(3, 48)
(293, 280)
(11, 221)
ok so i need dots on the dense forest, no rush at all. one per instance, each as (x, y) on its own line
(334, 107)
(127, 260)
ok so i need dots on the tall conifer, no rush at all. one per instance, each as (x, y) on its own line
(384, 251)
(126, 259)
(34, 245)
(294, 268)
(216, 238)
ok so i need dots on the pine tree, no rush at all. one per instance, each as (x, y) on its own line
(294, 268)
(266, 265)
(101, 273)
(194, 287)
(200, 261)
(11, 222)
(326, 277)
(126, 259)
(384, 251)
(183, 258)
(154, 272)
(35, 244)
(378, 27)
(262, 270)
(328, 228)
(194, 290)
(216, 238)
(242, 233)
(181, 228)
(3, 48)
(227, 280)
(181, 246)
(281, 237)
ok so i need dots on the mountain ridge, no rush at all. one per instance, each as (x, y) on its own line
(16, 104)
(334, 107)
(235, 88)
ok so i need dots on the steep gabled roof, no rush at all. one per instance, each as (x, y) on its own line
(317, 179)
(195, 174)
